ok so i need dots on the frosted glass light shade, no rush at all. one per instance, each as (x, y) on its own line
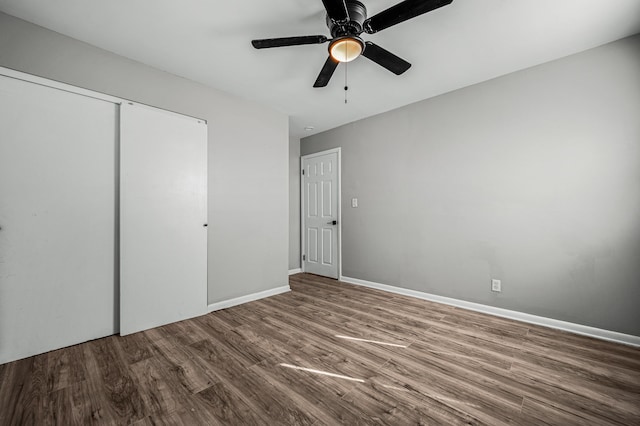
(345, 49)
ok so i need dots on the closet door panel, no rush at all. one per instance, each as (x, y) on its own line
(57, 218)
(163, 212)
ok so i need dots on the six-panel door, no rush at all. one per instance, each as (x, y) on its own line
(320, 227)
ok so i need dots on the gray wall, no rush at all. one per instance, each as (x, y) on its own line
(248, 150)
(532, 178)
(294, 203)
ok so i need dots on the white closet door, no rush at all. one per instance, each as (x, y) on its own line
(57, 218)
(163, 212)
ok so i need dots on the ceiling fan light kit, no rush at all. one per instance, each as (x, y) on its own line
(346, 20)
(346, 49)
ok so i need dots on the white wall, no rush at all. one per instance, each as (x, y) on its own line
(248, 150)
(532, 178)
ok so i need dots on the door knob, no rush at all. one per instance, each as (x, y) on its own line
(333, 222)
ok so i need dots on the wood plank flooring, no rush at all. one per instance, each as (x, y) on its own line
(330, 353)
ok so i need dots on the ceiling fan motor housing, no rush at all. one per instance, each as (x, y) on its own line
(352, 26)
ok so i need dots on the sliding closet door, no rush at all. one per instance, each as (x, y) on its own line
(57, 218)
(163, 214)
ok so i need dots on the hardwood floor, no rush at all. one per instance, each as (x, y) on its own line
(330, 353)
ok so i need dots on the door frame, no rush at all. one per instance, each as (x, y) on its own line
(337, 151)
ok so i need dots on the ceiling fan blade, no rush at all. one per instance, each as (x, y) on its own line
(385, 58)
(326, 72)
(336, 9)
(401, 12)
(288, 41)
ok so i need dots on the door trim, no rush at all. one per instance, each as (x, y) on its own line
(337, 151)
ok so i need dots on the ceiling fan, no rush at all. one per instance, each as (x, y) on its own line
(347, 19)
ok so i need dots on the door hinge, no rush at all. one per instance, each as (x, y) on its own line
(304, 257)
(303, 171)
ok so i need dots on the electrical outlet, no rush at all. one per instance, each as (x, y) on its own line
(496, 285)
(354, 202)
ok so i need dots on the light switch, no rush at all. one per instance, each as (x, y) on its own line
(354, 202)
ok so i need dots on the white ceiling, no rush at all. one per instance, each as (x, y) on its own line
(455, 46)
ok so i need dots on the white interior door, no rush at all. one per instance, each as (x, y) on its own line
(163, 215)
(57, 218)
(320, 213)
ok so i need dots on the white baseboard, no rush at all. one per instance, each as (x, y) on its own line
(295, 271)
(584, 330)
(248, 298)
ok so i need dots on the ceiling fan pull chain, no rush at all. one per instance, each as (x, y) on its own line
(346, 87)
